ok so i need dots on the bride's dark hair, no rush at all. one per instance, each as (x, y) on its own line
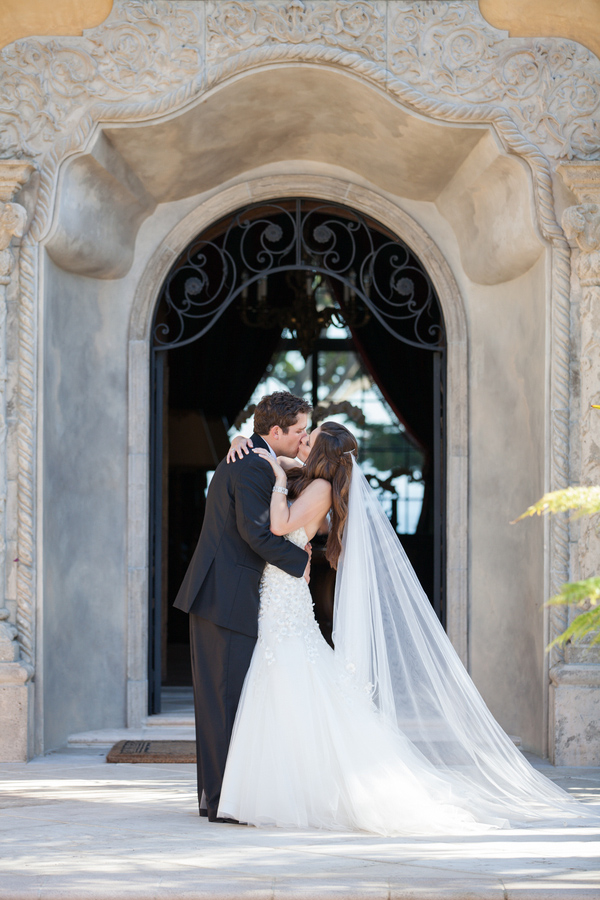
(330, 458)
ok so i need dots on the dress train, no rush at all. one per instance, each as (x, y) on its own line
(311, 750)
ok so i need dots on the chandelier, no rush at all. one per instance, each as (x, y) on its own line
(311, 307)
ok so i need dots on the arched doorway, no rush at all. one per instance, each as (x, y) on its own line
(317, 298)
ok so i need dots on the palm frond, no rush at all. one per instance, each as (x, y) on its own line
(585, 500)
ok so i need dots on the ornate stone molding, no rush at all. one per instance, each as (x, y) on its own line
(13, 220)
(13, 175)
(347, 25)
(13, 670)
(441, 59)
(586, 676)
(550, 87)
(581, 223)
(13, 217)
(143, 50)
(25, 439)
(582, 179)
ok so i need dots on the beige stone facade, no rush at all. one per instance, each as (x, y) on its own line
(479, 150)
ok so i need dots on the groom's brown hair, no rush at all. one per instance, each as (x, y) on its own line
(280, 408)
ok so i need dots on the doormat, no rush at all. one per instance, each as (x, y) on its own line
(153, 752)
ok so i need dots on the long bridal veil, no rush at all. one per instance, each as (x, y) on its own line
(390, 643)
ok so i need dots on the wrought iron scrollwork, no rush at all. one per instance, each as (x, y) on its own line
(299, 235)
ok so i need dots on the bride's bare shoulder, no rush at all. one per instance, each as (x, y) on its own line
(318, 487)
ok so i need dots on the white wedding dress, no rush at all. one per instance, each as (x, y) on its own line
(386, 734)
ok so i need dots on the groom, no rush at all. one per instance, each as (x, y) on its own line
(220, 588)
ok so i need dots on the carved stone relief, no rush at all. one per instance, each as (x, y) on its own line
(551, 88)
(347, 25)
(582, 224)
(582, 227)
(143, 51)
(12, 225)
(13, 220)
(151, 49)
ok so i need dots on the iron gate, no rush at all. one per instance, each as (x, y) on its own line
(296, 235)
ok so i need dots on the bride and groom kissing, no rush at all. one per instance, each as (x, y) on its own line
(385, 734)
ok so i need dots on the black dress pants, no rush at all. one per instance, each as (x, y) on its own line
(220, 660)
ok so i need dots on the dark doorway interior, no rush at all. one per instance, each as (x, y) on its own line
(352, 367)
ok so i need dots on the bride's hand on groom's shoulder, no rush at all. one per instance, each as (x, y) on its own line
(240, 446)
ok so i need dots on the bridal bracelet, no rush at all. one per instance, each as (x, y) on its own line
(279, 490)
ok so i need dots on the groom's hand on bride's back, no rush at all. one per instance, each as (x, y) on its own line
(308, 549)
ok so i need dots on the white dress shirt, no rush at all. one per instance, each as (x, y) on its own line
(271, 451)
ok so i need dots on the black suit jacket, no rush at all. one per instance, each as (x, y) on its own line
(221, 583)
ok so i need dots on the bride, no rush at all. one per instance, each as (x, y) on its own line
(387, 733)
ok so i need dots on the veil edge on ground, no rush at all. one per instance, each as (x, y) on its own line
(390, 644)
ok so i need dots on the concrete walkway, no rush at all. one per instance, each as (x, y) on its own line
(72, 826)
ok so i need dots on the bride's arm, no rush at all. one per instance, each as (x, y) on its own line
(287, 463)
(311, 506)
(241, 445)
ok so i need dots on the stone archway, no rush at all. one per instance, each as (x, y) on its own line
(393, 217)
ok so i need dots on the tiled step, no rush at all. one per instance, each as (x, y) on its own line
(148, 732)
(174, 723)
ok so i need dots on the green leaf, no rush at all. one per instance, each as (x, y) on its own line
(586, 500)
(584, 625)
(577, 592)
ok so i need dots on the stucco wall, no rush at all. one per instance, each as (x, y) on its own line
(84, 508)
(507, 397)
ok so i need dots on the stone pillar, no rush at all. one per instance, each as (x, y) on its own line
(16, 688)
(575, 679)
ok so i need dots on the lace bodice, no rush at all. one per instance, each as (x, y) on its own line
(298, 537)
(286, 609)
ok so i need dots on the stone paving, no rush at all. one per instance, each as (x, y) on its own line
(72, 826)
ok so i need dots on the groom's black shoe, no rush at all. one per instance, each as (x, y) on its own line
(203, 812)
(224, 819)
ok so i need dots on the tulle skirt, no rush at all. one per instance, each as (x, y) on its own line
(309, 750)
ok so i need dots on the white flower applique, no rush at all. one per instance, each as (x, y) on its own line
(286, 609)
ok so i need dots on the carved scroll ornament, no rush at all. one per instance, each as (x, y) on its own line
(144, 50)
(348, 25)
(582, 224)
(12, 224)
(550, 86)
